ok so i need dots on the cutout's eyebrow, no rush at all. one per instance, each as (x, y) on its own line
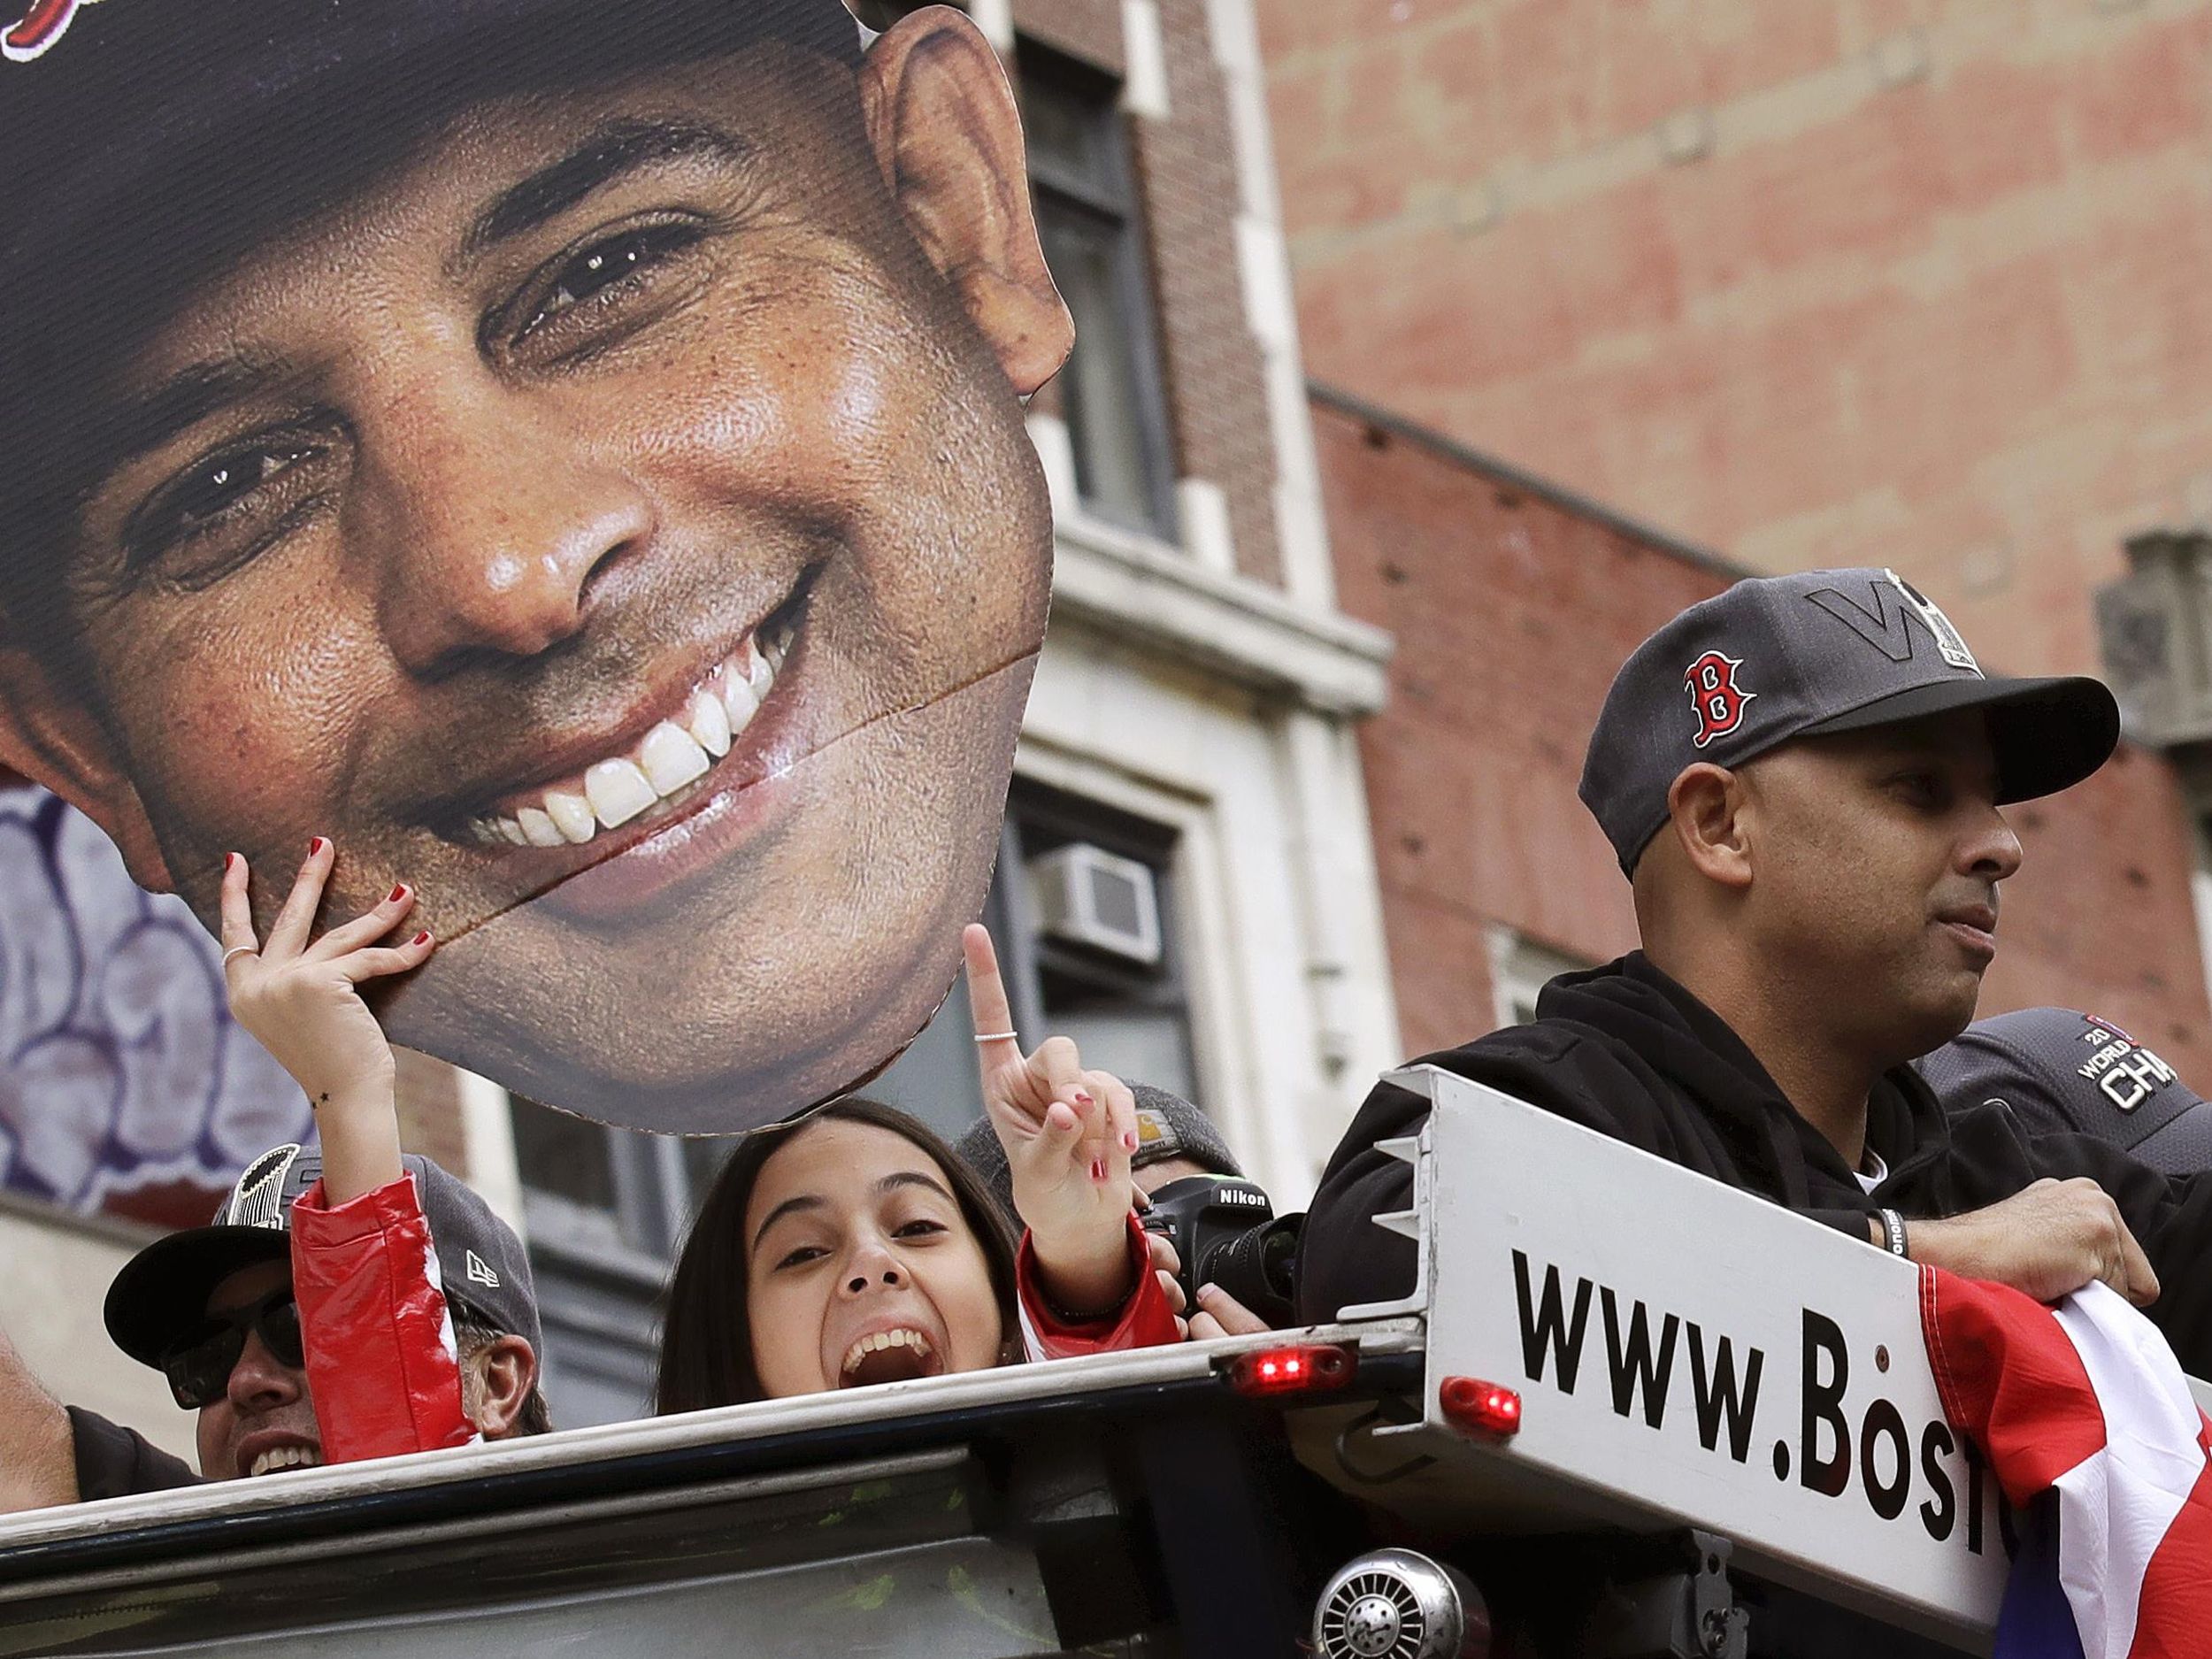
(186, 398)
(805, 1201)
(611, 152)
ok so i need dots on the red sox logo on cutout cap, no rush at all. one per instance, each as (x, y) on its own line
(46, 22)
(1715, 697)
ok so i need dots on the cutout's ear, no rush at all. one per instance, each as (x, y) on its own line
(53, 740)
(1705, 815)
(506, 1370)
(942, 122)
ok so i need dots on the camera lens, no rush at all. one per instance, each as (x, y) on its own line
(1254, 1267)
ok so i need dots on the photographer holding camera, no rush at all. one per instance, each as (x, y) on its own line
(1235, 1252)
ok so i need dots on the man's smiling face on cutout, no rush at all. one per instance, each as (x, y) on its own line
(617, 523)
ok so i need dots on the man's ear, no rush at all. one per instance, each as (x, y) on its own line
(941, 121)
(1705, 814)
(53, 740)
(506, 1372)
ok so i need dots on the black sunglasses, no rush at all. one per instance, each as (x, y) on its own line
(198, 1365)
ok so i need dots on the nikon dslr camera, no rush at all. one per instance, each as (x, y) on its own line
(1227, 1233)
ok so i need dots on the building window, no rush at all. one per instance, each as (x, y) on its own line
(1110, 391)
(1519, 969)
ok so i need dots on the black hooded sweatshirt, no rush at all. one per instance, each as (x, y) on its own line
(1625, 1050)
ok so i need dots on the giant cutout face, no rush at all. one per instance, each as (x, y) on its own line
(572, 457)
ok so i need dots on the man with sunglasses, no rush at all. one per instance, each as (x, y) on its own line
(213, 1309)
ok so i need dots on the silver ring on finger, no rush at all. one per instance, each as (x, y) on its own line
(240, 950)
(998, 1036)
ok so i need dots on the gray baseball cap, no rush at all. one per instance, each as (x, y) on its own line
(2060, 1070)
(1778, 657)
(161, 1293)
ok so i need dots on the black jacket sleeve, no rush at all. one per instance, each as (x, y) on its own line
(117, 1462)
(1345, 1259)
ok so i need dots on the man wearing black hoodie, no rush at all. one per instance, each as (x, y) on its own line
(1801, 777)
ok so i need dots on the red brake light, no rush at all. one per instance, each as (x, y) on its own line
(1291, 1371)
(1476, 1407)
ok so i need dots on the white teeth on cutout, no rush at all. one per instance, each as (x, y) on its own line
(539, 829)
(671, 758)
(739, 703)
(571, 815)
(709, 723)
(618, 790)
(676, 753)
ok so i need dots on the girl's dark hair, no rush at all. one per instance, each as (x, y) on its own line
(707, 1341)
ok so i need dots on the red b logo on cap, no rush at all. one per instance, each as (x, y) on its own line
(1719, 701)
(43, 24)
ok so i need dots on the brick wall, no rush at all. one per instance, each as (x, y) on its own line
(1826, 281)
(1512, 611)
(1216, 384)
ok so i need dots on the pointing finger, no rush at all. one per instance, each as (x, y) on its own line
(237, 912)
(995, 1043)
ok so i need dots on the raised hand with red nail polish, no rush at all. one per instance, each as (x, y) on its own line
(1068, 1134)
(300, 996)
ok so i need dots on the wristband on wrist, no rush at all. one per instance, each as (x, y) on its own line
(1893, 1232)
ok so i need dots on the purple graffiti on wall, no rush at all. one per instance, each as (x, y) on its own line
(121, 1069)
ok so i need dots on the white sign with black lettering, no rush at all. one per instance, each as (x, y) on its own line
(1685, 1348)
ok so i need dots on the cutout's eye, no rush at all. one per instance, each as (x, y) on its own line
(920, 1228)
(802, 1256)
(210, 488)
(606, 266)
(217, 514)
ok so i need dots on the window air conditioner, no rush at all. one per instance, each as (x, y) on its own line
(1086, 895)
(2155, 627)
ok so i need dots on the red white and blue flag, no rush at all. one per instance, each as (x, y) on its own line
(2083, 1411)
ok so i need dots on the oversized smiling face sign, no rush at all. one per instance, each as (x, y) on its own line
(574, 460)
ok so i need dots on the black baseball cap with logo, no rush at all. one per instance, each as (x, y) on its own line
(161, 1293)
(1775, 659)
(2062, 1071)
